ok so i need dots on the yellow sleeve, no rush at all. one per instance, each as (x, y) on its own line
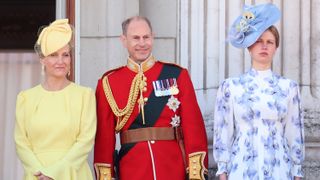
(23, 146)
(78, 153)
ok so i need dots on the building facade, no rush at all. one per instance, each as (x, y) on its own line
(192, 33)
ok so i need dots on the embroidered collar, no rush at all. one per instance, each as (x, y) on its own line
(144, 66)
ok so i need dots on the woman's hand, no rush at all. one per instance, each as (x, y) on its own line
(41, 176)
(223, 176)
(297, 178)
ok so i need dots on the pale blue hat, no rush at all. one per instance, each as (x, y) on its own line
(249, 26)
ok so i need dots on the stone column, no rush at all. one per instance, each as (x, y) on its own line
(101, 49)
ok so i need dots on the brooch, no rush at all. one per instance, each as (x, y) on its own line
(175, 121)
(245, 22)
(173, 103)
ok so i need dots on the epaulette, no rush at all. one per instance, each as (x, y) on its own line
(170, 63)
(112, 71)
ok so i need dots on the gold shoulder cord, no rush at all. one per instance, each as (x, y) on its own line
(138, 83)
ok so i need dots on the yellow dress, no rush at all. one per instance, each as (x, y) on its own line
(55, 131)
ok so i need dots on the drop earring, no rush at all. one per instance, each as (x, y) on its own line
(42, 69)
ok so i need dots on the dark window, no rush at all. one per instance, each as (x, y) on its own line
(21, 19)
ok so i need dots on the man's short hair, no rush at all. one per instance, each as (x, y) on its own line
(126, 23)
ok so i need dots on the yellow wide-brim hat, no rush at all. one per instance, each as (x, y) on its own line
(54, 37)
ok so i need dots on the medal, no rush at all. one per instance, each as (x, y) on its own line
(165, 87)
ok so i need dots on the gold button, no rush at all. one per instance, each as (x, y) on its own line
(194, 167)
(145, 99)
(194, 172)
(194, 161)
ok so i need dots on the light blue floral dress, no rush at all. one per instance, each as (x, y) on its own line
(258, 127)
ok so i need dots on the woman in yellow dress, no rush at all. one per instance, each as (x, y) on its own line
(55, 120)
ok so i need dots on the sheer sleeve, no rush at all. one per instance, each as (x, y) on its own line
(223, 127)
(294, 131)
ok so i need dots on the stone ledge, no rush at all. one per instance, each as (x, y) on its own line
(311, 170)
(311, 124)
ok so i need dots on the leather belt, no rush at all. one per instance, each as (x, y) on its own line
(149, 134)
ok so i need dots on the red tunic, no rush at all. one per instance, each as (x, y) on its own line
(145, 160)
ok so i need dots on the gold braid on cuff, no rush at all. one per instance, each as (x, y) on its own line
(103, 171)
(196, 166)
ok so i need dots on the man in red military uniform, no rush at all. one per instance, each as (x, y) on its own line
(153, 106)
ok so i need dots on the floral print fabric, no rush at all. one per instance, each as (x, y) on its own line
(258, 128)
